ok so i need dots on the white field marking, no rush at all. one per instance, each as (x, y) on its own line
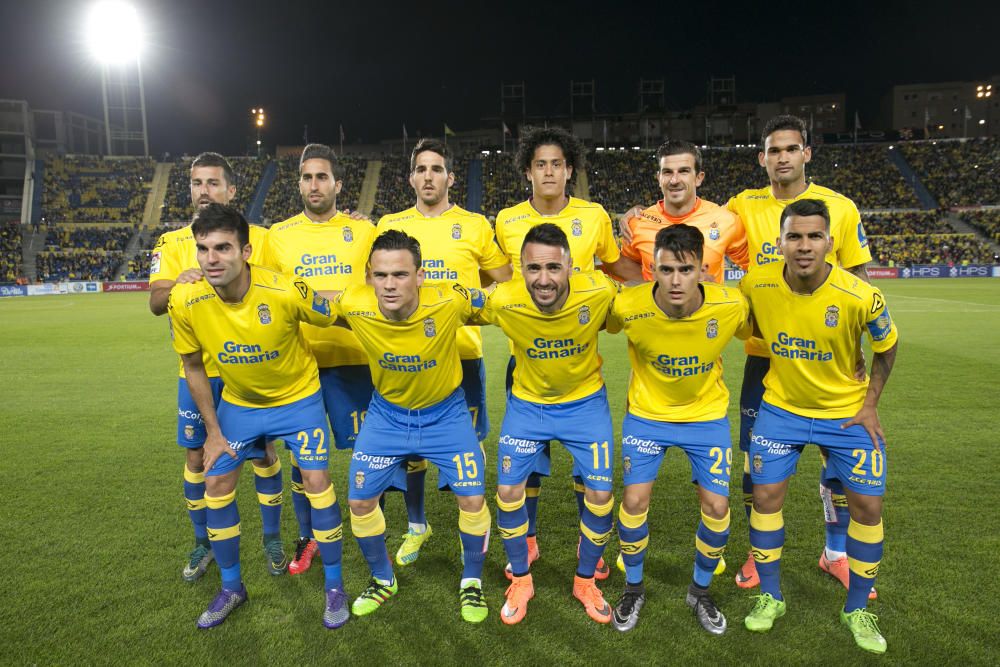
(990, 306)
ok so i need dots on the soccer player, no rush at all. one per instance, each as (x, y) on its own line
(811, 314)
(174, 261)
(247, 318)
(548, 157)
(676, 397)
(456, 245)
(784, 156)
(328, 250)
(409, 330)
(552, 317)
(680, 175)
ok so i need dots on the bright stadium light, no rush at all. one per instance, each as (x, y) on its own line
(114, 33)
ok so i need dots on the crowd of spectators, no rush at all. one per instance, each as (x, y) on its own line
(985, 220)
(283, 198)
(56, 265)
(94, 189)
(905, 222)
(503, 184)
(908, 249)
(620, 180)
(862, 172)
(957, 172)
(177, 205)
(10, 252)
(89, 238)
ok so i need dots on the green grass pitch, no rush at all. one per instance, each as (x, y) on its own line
(96, 533)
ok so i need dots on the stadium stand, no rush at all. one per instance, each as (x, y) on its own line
(10, 252)
(864, 173)
(55, 265)
(908, 249)
(94, 189)
(88, 238)
(985, 220)
(502, 185)
(905, 222)
(957, 172)
(177, 204)
(283, 199)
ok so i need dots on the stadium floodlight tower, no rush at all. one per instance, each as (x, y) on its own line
(115, 37)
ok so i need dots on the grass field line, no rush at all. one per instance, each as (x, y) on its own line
(990, 306)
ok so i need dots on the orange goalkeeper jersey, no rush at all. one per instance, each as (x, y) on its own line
(723, 231)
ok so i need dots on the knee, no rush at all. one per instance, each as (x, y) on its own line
(315, 481)
(510, 494)
(195, 459)
(363, 506)
(595, 497)
(715, 508)
(471, 504)
(635, 504)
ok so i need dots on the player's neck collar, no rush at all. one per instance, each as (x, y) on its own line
(682, 315)
(806, 292)
(532, 200)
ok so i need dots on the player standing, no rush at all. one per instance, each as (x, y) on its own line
(455, 245)
(811, 315)
(676, 399)
(548, 157)
(174, 261)
(552, 317)
(328, 250)
(247, 319)
(408, 328)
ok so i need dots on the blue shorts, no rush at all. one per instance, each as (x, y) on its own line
(441, 433)
(474, 386)
(301, 425)
(583, 426)
(707, 444)
(779, 437)
(751, 394)
(190, 427)
(346, 393)
(543, 464)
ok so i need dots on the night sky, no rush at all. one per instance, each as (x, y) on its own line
(373, 66)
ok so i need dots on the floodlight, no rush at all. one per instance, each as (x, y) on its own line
(114, 33)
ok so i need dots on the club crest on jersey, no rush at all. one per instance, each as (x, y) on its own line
(712, 328)
(758, 463)
(577, 227)
(713, 231)
(189, 431)
(832, 316)
(505, 464)
(348, 234)
(456, 231)
(264, 313)
(584, 314)
(359, 480)
(627, 465)
(429, 328)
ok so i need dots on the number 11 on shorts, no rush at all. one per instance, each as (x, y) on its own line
(596, 448)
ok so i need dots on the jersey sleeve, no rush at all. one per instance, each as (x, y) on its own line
(614, 322)
(607, 250)
(745, 330)
(500, 239)
(181, 332)
(486, 312)
(879, 323)
(628, 248)
(739, 251)
(490, 254)
(311, 307)
(853, 250)
(469, 303)
(164, 262)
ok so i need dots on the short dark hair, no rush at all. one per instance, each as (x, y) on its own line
(546, 234)
(209, 159)
(784, 122)
(679, 147)
(804, 208)
(533, 137)
(395, 239)
(219, 217)
(434, 146)
(681, 240)
(322, 152)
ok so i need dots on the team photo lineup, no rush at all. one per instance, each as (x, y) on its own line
(328, 335)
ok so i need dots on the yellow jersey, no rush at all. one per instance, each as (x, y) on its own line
(175, 252)
(677, 363)
(760, 212)
(414, 363)
(330, 255)
(256, 343)
(556, 354)
(454, 246)
(814, 339)
(586, 224)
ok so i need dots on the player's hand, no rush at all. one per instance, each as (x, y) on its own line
(861, 367)
(356, 215)
(190, 276)
(215, 447)
(867, 418)
(623, 227)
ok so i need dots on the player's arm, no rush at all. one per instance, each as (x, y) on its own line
(201, 391)
(623, 226)
(159, 290)
(861, 271)
(739, 249)
(500, 274)
(867, 416)
(626, 269)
